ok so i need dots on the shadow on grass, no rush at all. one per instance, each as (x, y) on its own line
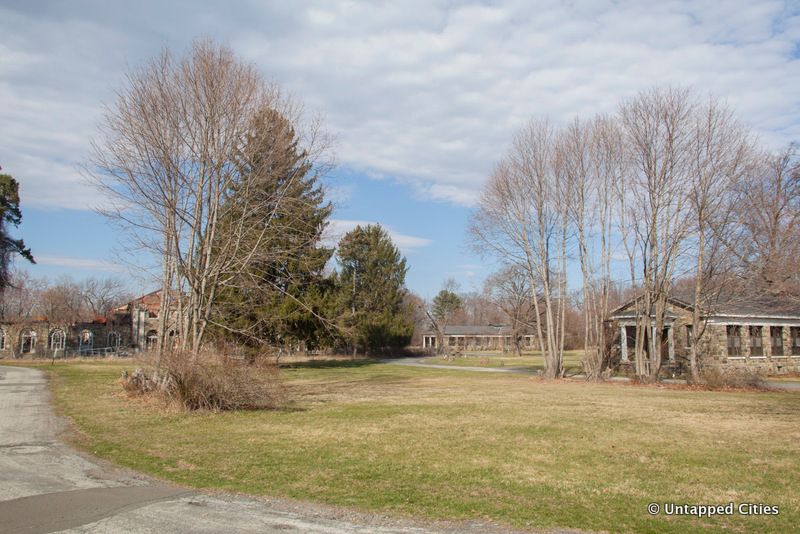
(330, 364)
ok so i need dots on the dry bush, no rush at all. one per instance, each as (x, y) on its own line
(138, 382)
(212, 380)
(742, 378)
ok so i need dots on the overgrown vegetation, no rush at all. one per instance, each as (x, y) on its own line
(210, 381)
(736, 378)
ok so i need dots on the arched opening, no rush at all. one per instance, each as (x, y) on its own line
(27, 342)
(58, 339)
(151, 340)
(113, 340)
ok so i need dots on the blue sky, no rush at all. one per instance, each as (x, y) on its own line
(80, 243)
(423, 97)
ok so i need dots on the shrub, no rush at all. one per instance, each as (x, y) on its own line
(211, 380)
(741, 378)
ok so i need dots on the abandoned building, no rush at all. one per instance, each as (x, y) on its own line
(477, 338)
(762, 333)
(129, 328)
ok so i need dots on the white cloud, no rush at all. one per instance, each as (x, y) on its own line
(79, 263)
(406, 243)
(428, 93)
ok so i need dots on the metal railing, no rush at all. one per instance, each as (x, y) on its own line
(88, 352)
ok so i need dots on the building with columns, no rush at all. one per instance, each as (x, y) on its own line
(478, 338)
(762, 333)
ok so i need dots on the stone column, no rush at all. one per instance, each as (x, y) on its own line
(670, 344)
(623, 344)
(653, 341)
(744, 336)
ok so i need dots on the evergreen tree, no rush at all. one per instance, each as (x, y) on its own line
(445, 304)
(280, 297)
(371, 284)
(10, 213)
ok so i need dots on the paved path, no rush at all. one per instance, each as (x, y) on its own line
(45, 486)
(422, 362)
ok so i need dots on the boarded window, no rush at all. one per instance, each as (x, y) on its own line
(734, 340)
(776, 335)
(756, 342)
(151, 340)
(113, 340)
(794, 333)
(28, 342)
(689, 336)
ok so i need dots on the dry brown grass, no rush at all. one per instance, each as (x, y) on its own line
(456, 445)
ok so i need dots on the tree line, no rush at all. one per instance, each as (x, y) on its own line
(63, 300)
(673, 185)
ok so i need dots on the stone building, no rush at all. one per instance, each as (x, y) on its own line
(761, 333)
(477, 338)
(129, 328)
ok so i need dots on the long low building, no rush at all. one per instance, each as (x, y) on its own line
(761, 333)
(477, 338)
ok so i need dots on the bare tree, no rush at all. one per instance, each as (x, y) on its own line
(174, 161)
(520, 219)
(62, 302)
(20, 298)
(511, 291)
(658, 126)
(478, 308)
(655, 178)
(721, 155)
(763, 232)
(591, 159)
(417, 311)
(101, 296)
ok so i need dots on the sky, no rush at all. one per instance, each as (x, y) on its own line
(422, 96)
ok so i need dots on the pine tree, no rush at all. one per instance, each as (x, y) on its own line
(279, 299)
(371, 283)
(10, 213)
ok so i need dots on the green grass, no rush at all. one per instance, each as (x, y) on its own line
(443, 444)
(529, 360)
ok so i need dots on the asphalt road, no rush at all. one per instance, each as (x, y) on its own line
(46, 486)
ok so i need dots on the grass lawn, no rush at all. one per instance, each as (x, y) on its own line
(528, 360)
(451, 445)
